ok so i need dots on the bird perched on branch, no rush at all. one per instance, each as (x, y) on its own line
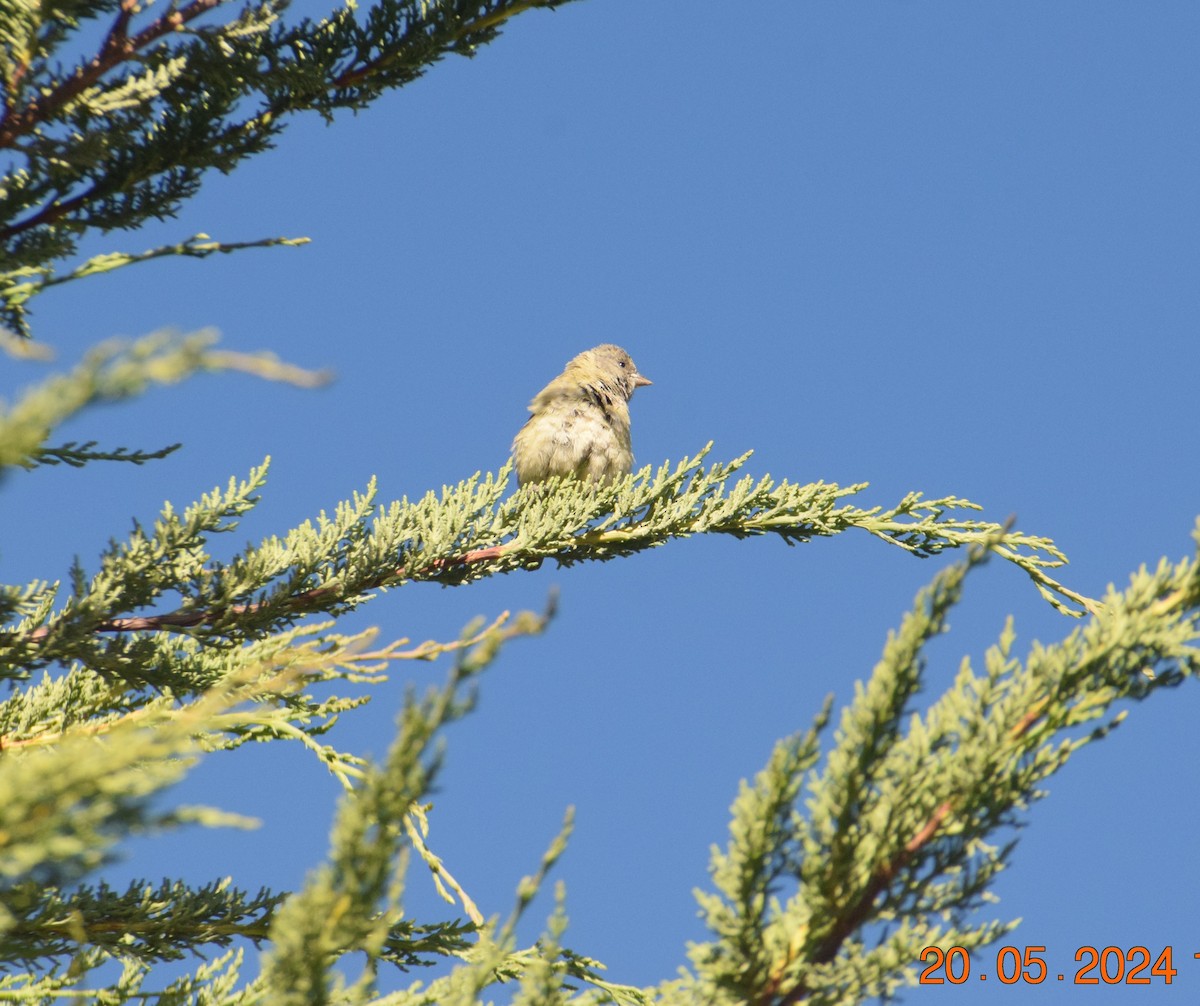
(580, 421)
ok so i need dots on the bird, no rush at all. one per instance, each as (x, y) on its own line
(580, 421)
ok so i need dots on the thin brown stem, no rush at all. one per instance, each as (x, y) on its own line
(860, 911)
(883, 876)
(303, 602)
(116, 49)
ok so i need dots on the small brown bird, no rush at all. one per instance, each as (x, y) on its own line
(580, 421)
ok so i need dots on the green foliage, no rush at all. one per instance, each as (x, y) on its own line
(845, 858)
(842, 864)
(19, 286)
(84, 758)
(894, 848)
(165, 93)
(170, 918)
(78, 455)
(113, 372)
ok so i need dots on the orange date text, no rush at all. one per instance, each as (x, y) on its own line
(1027, 965)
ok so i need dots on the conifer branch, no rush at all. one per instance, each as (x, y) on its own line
(416, 827)
(339, 909)
(165, 922)
(116, 49)
(256, 694)
(77, 455)
(19, 286)
(891, 853)
(468, 532)
(837, 871)
(130, 132)
(115, 371)
(148, 922)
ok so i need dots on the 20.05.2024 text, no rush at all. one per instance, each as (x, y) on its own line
(1013, 965)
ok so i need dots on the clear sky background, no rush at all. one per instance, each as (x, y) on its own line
(933, 246)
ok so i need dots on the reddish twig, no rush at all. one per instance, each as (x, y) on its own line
(1029, 719)
(305, 601)
(861, 909)
(117, 39)
(116, 49)
(48, 214)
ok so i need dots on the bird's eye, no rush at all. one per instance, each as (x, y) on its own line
(622, 364)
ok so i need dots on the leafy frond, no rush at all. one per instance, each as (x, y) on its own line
(910, 818)
(82, 759)
(112, 372)
(352, 902)
(77, 455)
(19, 286)
(460, 535)
(110, 125)
(145, 922)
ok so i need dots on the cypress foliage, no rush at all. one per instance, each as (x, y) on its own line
(847, 855)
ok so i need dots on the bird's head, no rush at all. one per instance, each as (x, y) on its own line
(609, 365)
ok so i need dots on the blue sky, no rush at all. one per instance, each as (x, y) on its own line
(934, 246)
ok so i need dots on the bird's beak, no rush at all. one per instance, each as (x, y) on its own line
(641, 382)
